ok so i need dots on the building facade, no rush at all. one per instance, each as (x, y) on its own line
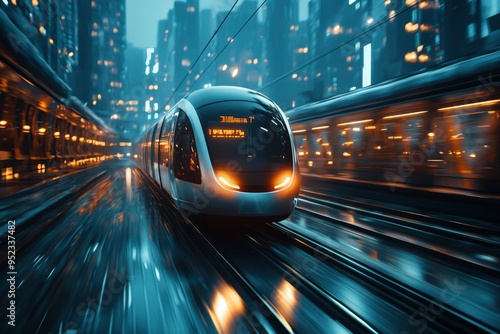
(52, 27)
(102, 69)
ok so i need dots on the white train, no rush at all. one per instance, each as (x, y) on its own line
(225, 153)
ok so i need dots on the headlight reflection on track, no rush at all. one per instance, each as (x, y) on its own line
(227, 305)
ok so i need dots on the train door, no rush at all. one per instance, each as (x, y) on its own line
(186, 167)
(155, 139)
(165, 152)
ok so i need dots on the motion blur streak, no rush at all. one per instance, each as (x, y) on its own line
(128, 182)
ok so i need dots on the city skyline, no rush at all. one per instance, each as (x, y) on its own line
(142, 17)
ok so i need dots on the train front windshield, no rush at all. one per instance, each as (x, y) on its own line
(248, 142)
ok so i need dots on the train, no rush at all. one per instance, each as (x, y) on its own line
(439, 128)
(42, 125)
(224, 154)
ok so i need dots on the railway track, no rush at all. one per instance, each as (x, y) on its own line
(282, 250)
(291, 281)
(471, 243)
(425, 234)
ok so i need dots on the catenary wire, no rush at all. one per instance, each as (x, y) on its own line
(337, 47)
(202, 52)
(231, 40)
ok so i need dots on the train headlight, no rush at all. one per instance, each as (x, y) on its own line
(283, 181)
(227, 182)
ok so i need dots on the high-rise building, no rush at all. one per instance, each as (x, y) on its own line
(207, 28)
(282, 18)
(51, 26)
(240, 58)
(165, 50)
(339, 43)
(102, 67)
(186, 44)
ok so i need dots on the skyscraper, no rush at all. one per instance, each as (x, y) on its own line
(51, 26)
(102, 47)
(186, 43)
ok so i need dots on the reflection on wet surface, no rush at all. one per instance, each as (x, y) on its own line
(226, 307)
(116, 258)
(461, 289)
(108, 265)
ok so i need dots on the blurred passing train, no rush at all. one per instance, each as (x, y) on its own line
(224, 152)
(436, 128)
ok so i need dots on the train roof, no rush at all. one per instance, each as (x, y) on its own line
(476, 71)
(205, 96)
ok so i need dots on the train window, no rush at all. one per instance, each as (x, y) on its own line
(6, 127)
(320, 148)
(40, 130)
(147, 152)
(156, 140)
(186, 165)
(301, 144)
(165, 139)
(470, 139)
(248, 135)
(354, 143)
(400, 136)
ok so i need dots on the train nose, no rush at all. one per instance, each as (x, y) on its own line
(255, 181)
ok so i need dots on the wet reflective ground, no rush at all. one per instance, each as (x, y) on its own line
(104, 251)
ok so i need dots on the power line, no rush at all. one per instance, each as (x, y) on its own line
(230, 41)
(337, 47)
(201, 53)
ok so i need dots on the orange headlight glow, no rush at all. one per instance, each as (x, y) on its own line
(283, 181)
(228, 183)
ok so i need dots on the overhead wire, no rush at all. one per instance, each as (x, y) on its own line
(337, 47)
(202, 52)
(231, 40)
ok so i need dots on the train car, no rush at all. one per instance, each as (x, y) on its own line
(439, 128)
(224, 154)
(42, 126)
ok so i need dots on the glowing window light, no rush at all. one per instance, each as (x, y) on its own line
(470, 105)
(355, 122)
(234, 73)
(410, 114)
